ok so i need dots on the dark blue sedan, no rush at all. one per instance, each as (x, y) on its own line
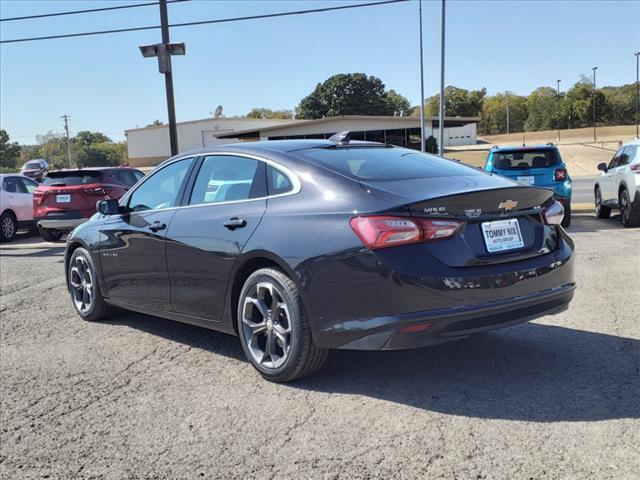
(299, 247)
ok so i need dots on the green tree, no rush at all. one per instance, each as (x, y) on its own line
(542, 108)
(268, 113)
(431, 144)
(398, 104)
(86, 138)
(9, 151)
(351, 94)
(619, 105)
(458, 102)
(155, 123)
(105, 154)
(578, 106)
(493, 119)
(52, 147)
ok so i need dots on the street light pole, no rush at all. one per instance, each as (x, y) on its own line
(422, 139)
(558, 108)
(168, 80)
(441, 116)
(637, 54)
(594, 102)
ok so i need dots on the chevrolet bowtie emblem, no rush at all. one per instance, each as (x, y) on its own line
(508, 204)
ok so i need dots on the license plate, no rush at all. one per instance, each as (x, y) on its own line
(526, 180)
(63, 198)
(502, 235)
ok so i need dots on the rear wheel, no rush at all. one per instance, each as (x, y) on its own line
(50, 234)
(628, 216)
(566, 221)
(82, 282)
(274, 330)
(8, 226)
(601, 211)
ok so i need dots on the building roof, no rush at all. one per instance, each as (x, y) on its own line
(300, 123)
(282, 122)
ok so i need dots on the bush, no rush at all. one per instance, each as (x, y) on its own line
(431, 145)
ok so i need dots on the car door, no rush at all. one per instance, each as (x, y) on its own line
(18, 198)
(607, 180)
(132, 244)
(224, 207)
(625, 158)
(27, 187)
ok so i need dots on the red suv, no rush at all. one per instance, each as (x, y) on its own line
(67, 198)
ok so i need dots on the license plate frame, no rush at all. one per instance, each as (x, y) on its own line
(526, 179)
(502, 235)
(63, 198)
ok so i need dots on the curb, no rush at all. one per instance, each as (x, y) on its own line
(582, 208)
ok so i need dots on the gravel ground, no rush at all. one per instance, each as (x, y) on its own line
(142, 397)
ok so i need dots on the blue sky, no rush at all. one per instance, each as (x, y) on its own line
(104, 84)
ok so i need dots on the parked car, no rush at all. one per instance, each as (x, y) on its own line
(321, 244)
(539, 165)
(67, 198)
(35, 169)
(618, 185)
(16, 205)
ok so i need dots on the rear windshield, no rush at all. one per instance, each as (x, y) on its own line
(32, 165)
(383, 163)
(80, 177)
(521, 159)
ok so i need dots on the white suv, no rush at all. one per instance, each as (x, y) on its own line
(618, 185)
(16, 205)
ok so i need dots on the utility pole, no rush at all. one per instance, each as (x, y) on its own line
(164, 51)
(422, 139)
(558, 108)
(442, 101)
(594, 102)
(637, 54)
(66, 129)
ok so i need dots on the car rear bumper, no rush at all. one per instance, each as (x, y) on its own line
(61, 220)
(419, 329)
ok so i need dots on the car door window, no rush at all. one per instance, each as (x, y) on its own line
(614, 161)
(227, 178)
(162, 188)
(12, 185)
(277, 182)
(137, 175)
(623, 159)
(28, 185)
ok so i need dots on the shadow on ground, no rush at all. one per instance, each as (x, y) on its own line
(531, 372)
(590, 223)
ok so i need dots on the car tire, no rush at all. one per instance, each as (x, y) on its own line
(8, 226)
(274, 329)
(49, 234)
(566, 221)
(83, 285)
(628, 217)
(601, 210)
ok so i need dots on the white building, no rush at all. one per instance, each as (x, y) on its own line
(149, 146)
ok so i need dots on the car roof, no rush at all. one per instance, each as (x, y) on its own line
(92, 169)
(635, 141)
(525, 147)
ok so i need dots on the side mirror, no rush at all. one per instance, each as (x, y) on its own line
(108, 207)
(602, 166)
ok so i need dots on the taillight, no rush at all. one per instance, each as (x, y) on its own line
(382, 232)
(553, 214)
(635, 167)
(560, 174)
(97, 191)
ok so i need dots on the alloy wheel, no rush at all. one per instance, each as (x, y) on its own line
(266, 325)
(598, 200)
(81, 282)
(624, 206)
(8, 227)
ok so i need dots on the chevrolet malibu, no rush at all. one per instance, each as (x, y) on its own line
(302, 246)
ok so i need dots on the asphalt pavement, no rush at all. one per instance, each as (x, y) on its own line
(140, 397)
(583, 190)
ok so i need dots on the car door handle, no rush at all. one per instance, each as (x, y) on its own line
(156, 226)
(235, 222)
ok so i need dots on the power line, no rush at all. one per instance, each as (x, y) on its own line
(90, 10)
(205, 22)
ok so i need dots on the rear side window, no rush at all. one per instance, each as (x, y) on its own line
(383, 163)
(67, 179)
(32, 165)
(13, 185)
(278, 183)
(227, 178)
(524, 159)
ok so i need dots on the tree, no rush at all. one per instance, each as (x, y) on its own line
(155, 123)
(493, 119)
(9, 152)
(86, 138)
(399, 105)
(542, 107)
(458, 102)
(619, 105)
(268, 113)
(105, 154)
(351, 94)
(52, 147)
(431, 144)
(579, 104)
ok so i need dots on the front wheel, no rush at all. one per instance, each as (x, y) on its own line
(50, 234)
(82, 282)
(601, 210)
(628, 216)
(274, 330)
